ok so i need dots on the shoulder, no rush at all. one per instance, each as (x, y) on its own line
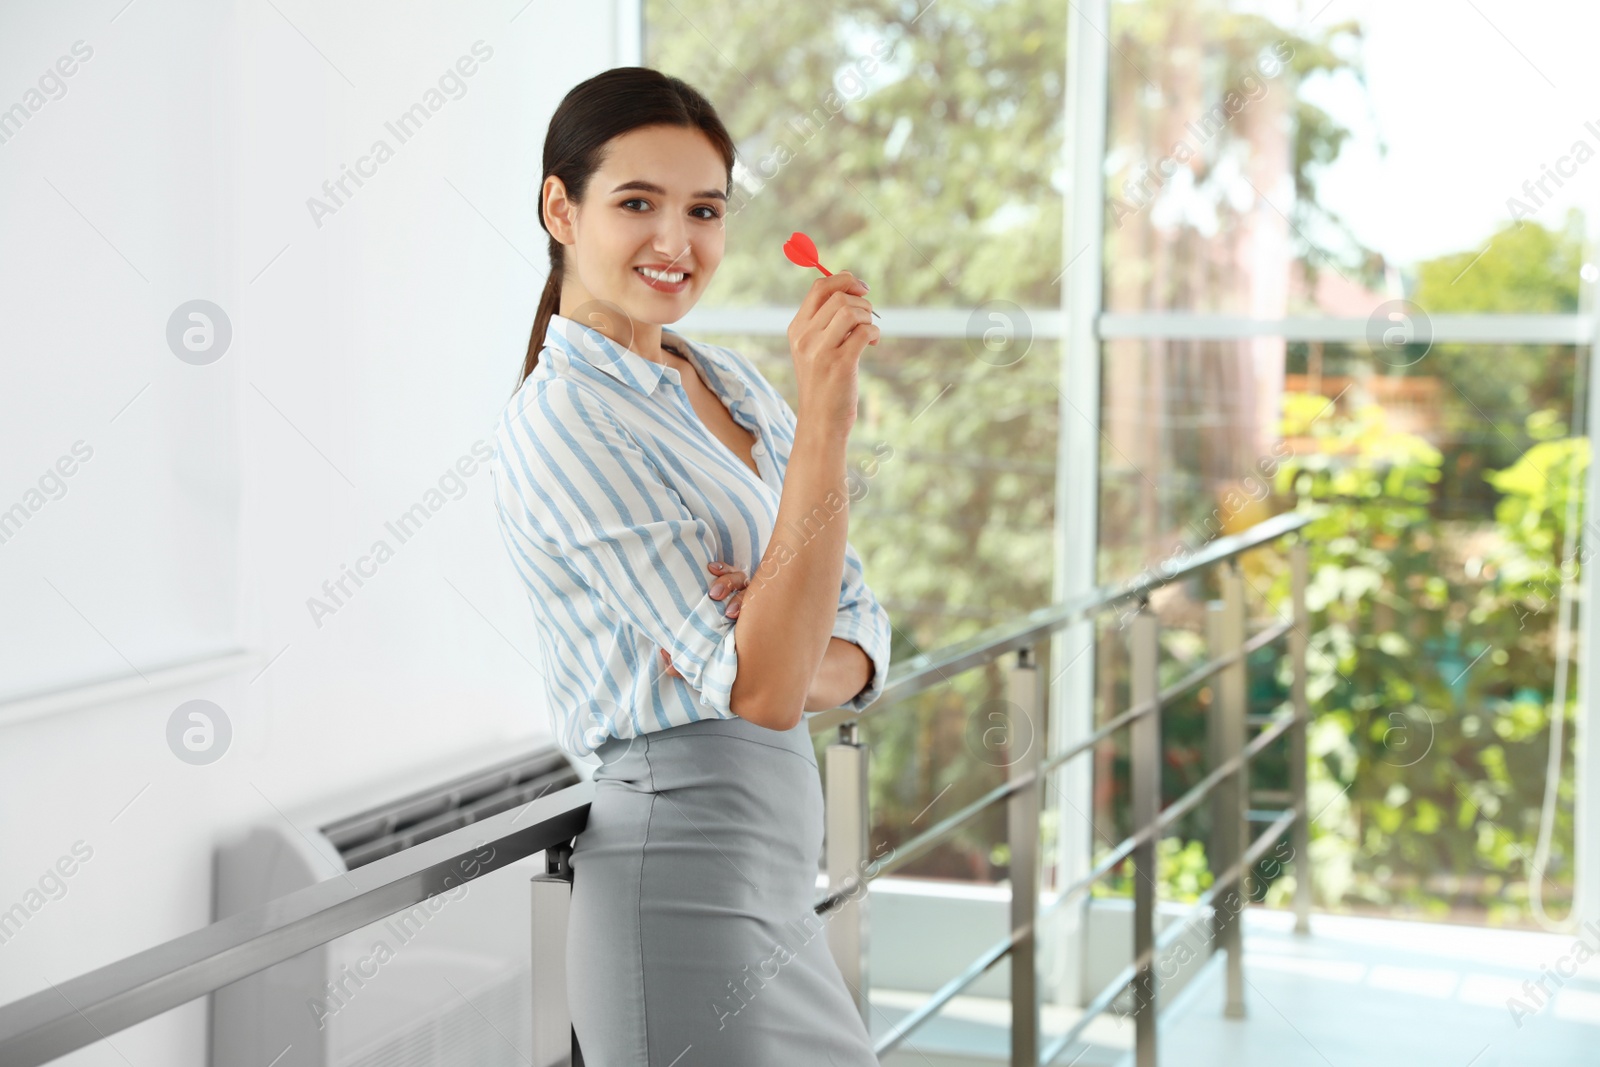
(552, 410)
(555, 423)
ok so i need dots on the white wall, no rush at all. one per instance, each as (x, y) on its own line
(368, 355)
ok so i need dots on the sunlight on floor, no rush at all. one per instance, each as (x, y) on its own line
(1358, 992)
(1376, 992)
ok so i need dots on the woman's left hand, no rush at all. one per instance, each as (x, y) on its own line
(728, 581)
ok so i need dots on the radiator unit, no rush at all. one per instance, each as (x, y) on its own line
(445, 983)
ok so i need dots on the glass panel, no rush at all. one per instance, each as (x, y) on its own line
(1188, 444)
(1244, 134)
(1449, 495)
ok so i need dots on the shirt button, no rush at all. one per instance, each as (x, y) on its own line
(759, 450)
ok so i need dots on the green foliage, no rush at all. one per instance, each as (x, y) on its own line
(1539, 490)
(1430, 667)
(1182, 873)
(1523, 269)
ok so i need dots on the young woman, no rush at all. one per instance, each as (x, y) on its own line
(681, 531)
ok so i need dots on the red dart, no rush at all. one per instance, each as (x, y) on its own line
(802, 252)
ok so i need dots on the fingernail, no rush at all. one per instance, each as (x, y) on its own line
(864, 285)
(733, 612)
(717, 589)
(716, 568)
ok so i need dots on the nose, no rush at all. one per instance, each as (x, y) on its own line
(675, 256)
(672, 243)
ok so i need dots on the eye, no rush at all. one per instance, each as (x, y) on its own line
(712, 213)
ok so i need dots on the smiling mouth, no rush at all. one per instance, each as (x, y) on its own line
(662, 281)
(665, 277)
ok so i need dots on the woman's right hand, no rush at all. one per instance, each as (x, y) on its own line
(729, 580)
(829, 332)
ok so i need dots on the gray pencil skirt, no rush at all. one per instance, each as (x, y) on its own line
(692, 940)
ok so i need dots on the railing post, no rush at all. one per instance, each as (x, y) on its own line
(1144, 742)
(1027, 707)
(846, 845)
(1225, 636)
(554, 1041)
(1299, 760)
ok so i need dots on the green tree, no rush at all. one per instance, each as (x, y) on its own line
(1429, 682)
(1523, 269)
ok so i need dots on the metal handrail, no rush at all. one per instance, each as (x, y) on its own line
(928, 669)
(917, 846)
(85, 1009)
(1108, 994)
(1201, 789)
(938, 665)
(88, 1008)
(958, 658)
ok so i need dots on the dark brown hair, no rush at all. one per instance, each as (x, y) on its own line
(590, 115)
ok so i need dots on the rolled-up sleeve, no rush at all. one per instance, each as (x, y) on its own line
(572, 485)
(863, 620)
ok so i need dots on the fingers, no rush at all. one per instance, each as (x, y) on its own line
(841, 313)
(842, 283)
(862, 336)
(841, 300)
(854, 308)
(668, 660)
(846, 326)
(729, 580)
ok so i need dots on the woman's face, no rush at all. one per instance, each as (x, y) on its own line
(657, 201)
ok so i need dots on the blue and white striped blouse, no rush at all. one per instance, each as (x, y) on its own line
(613, 496)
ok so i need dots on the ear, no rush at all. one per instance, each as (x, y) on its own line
(559, 212)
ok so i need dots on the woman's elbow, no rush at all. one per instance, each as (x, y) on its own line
(765, 709)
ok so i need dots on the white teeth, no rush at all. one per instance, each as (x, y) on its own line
(671, 277)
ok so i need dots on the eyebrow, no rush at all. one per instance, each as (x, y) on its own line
(652, 187)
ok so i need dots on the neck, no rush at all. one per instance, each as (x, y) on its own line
(642, 338)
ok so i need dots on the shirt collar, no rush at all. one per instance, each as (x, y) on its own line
(576, 341)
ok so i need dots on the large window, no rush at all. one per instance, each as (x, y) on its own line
(1344, 263)
(1331, 284)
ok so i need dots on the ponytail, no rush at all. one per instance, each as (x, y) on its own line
(549, 304)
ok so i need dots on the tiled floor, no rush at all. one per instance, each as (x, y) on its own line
(1376, 993)
(1355, 993)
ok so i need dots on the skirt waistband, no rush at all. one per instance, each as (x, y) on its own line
(648, 754)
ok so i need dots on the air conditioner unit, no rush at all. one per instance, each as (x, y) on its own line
(444, 983)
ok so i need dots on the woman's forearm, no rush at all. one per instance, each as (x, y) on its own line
(789, 607)
(845, 671)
